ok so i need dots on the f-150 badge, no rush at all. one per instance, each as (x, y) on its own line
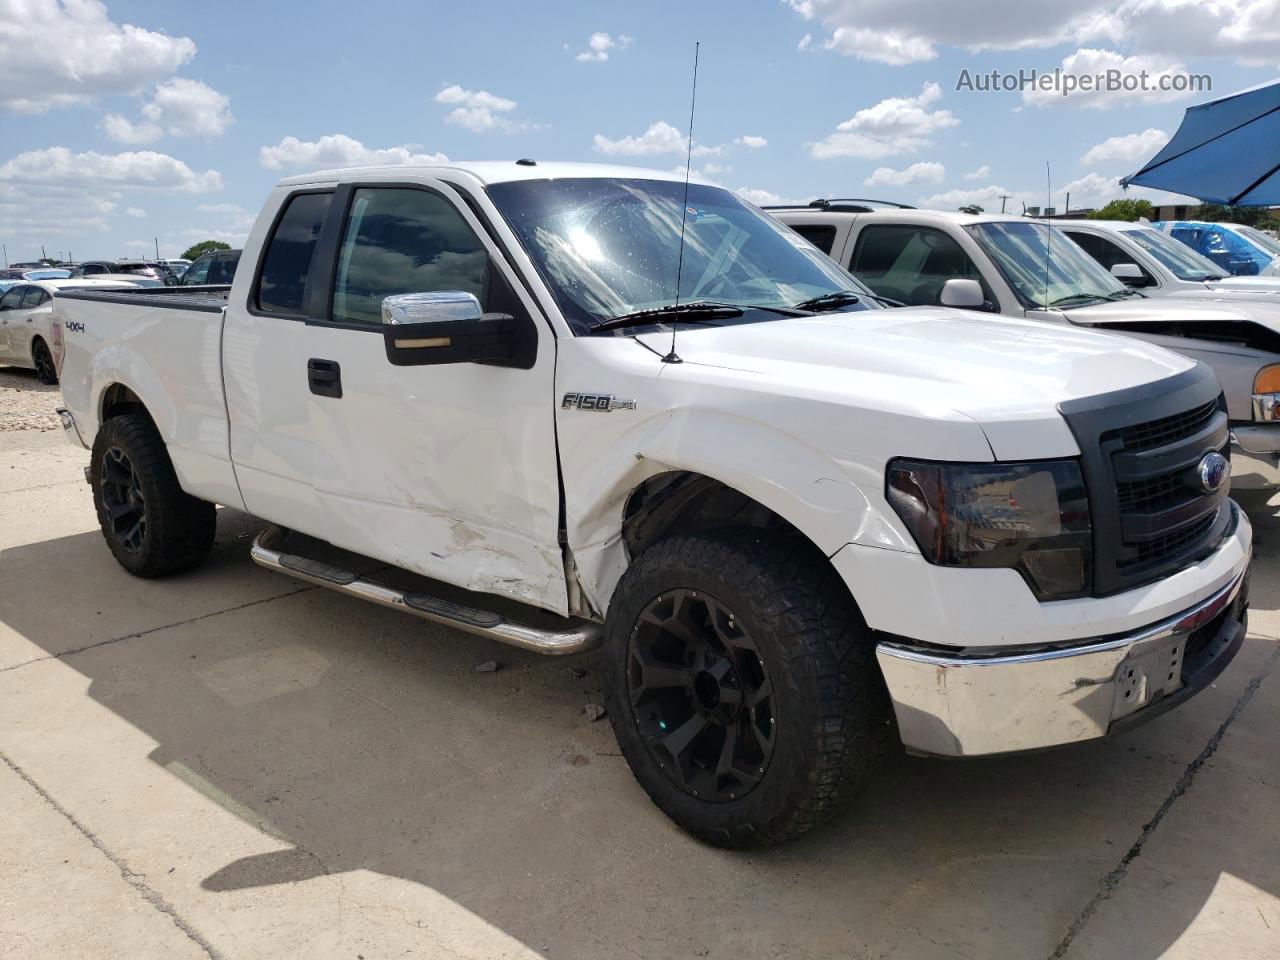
(599, 402)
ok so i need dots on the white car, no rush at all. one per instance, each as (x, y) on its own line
(652, 412)
(1026, 268)
(1150, 260)
(25, 311)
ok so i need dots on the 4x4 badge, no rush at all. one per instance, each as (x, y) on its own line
(599, 402)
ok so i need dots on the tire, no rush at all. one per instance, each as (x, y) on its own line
(46, 372)
(152, 526)
(796, 646)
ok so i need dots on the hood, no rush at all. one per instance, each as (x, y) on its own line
(1178, 309)
(1269, 285)
(1007, 374)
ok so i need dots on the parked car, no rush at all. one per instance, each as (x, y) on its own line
(25, 336)
(133, 279)
(216, 268)
(1239, 250)
(144, 268)
(47, 273)
(1147, 259)
(795, 501)
(176, 264)
(1025, 268)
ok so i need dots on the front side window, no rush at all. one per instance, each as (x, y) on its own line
(1181, 260)
(608, 247)
(401, 240)
(910, 264)
(287, 260)
(12, 298)
(1107, 252)
(1043, 266)
(222, 268)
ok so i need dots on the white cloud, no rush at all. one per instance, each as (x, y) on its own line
(136, 212)
(986, 197)
(236, 218)
(1093, 63)
(916, 173)
(123, 130)
(477, 110)
(1128, 149)
(714, 168)
(58, 167)
(178, 107)
(805, 42)
(757, 196)
(1095, 190)
(57, 54)
(337, 150)
(750, 142)
(661, 137)
(893, 126)
(912, 31)
(599, 44)
(981, 173)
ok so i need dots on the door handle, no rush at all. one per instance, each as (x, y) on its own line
(324, 377)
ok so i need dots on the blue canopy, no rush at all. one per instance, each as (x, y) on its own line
(1226, 151)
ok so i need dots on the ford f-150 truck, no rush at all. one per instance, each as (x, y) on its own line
(790, 515)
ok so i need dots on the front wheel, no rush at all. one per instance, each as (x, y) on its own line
(742, 686)
(153, 527)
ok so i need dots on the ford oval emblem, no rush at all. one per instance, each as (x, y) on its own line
(1214, 470)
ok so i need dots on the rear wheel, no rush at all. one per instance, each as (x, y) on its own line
(43, 360)
(152, 526)
(742, 686)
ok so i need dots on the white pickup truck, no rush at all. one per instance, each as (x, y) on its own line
(790, 520)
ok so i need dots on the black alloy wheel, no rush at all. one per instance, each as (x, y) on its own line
(701, 696)
(125, 503)
(46, 372)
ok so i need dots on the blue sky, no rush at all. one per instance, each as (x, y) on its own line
(126, 121)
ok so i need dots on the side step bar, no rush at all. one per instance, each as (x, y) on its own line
(583, 635)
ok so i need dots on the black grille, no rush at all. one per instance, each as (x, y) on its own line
(1166, 430)
(1151, 515)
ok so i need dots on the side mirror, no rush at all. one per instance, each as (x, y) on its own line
(965, 294)
(448, 326)
(1130, 274)
(170, 280)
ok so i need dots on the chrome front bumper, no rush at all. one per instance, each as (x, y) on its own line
(956, 705)
(1255, 456)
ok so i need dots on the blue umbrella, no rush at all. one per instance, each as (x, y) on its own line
(1226, 151)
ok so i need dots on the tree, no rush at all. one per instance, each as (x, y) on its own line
(1125, 210)
(204, 246)
(1261, 217)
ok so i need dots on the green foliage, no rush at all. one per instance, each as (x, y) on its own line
(1125, 210)
(204, 246)
(1260, 217)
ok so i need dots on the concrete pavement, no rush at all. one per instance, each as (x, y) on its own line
(230, 764)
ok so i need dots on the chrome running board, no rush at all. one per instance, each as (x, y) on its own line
(581, 636)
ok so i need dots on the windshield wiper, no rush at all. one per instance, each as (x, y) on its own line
(1211, 278)
(698, 311)
(828, 301)
(1077, 298)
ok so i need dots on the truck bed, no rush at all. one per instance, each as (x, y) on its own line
(210, 299)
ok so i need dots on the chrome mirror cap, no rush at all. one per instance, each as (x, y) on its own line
(440, 306)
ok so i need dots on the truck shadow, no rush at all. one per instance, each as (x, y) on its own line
(367, 740)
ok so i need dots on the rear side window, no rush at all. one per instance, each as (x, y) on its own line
(823, 238)
(288, 258)
(404, 241)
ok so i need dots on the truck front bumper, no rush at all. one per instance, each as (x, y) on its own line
(1255, 456)
(987, 701)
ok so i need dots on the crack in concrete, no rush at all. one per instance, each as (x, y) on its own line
(150, 630)
(1112, 880)
(135, 880)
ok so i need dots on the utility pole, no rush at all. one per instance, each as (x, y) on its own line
(6, 254)
(158, 245)
(1068, 210)
(1003, 198)
(43, 255)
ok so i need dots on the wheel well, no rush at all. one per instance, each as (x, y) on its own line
(692, 502)
(118, 400)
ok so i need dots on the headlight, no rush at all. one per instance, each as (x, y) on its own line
(1266, 394)
(1029, 517)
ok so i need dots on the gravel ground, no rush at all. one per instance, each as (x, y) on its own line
(26, 403)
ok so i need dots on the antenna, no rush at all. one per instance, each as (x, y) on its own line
(672, 356)
(1048, 230)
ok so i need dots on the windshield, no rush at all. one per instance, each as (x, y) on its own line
(610, 247)
(1183, 262)
(1055, 276)
(1270, 244)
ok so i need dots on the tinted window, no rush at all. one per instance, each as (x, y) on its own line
(288, 256)
(223, 267)
(910, 264)
(198, 272)
(33, 298)
(12, 298)
(403, 241)
(821, 237)
(1104, 251)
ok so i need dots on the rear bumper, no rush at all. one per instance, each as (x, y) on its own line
(964, 705)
